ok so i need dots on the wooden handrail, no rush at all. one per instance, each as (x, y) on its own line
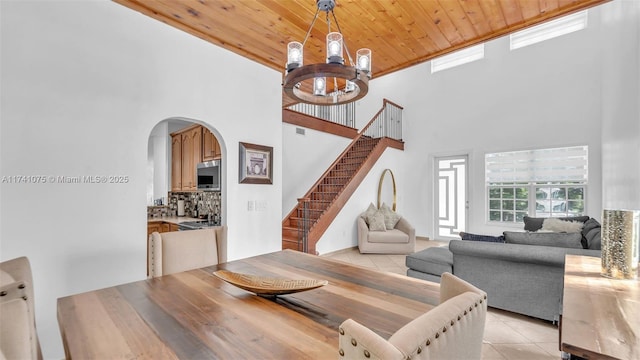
(387, 101)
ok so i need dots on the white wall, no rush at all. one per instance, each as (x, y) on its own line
(621, 105)
(83, 85)
(309, 157)
(159, 150)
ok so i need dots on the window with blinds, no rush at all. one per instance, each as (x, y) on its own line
(540, 183)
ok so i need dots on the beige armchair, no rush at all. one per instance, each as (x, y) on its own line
(177, 251)
(18, 335)
(399, 240)
(452, 330)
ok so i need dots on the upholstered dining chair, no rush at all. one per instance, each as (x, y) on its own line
(451, 330)
(18, 335)
(177, 251)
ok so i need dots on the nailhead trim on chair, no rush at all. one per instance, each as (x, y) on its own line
(367, 354)
(444, 329)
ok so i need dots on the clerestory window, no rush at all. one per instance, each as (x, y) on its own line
(549, 30)
(457, 58)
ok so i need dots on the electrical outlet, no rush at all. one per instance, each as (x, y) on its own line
(261, 206)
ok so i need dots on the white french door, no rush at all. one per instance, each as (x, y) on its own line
(451, 178)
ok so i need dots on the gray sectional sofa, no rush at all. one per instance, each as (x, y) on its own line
(524, 274)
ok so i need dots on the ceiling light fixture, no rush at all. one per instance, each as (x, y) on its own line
(329, 83)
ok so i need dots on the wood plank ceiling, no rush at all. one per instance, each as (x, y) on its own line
(400, 33)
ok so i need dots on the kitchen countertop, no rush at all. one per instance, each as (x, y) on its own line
(172, 219)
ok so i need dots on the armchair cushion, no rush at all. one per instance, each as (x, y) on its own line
(371, 210)
(391, 218)
(376, 221)
(389, 236)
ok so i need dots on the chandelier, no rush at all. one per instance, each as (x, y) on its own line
(329, 83)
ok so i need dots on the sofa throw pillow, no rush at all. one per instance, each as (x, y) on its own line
(565, 240)
(369, 212)
(376, 221)
(593, 239)
(485, 238)
(535, 224)
(391, 217)
(557, 225)
(591, 234)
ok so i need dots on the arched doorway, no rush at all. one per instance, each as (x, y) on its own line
(177, 147)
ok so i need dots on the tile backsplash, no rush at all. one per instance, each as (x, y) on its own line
(157, 211)
(199, 203)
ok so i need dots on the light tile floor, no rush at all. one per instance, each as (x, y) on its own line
(506, 336)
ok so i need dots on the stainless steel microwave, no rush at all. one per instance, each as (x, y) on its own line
(209, 178)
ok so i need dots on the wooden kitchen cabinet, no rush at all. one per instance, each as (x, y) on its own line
(191, 156)
(176, 163)
(152, 227)
(210, 146)
(186, 153)
(161, 227)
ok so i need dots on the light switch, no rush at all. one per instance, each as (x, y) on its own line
(251, 205)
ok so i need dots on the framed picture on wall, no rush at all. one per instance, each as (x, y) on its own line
(256, 164)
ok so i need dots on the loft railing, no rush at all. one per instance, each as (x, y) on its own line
(344, 114)
(386, 123)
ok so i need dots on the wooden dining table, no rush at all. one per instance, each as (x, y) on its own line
(196, 315)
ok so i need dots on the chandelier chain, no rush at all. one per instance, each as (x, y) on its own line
(310, 27)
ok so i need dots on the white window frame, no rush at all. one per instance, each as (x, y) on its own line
(549, 30)
(557, 169)
(458, 58)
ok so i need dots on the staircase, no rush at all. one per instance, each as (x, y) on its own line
(315, 211)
